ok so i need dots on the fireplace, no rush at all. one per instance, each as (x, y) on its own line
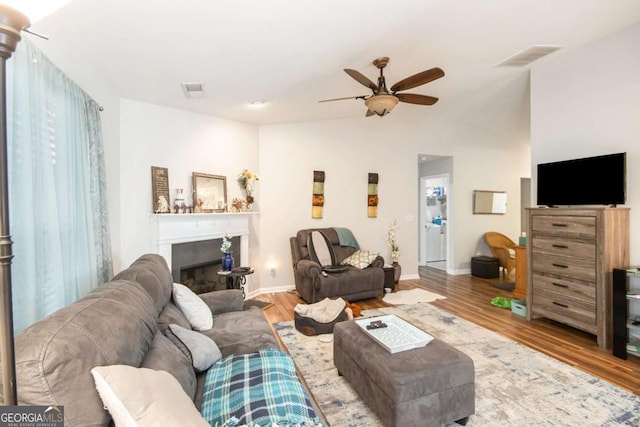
(195, 264)
(191, 242)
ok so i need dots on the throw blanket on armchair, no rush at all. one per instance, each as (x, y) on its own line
(256, 389)
(346, 237)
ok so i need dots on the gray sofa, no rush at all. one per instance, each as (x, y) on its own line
(122, 322)
(352, 284)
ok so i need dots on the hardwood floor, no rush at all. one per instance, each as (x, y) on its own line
(468, 297)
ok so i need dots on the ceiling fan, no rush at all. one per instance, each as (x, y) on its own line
(382, 100)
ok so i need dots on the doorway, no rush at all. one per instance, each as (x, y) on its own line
(434, 190)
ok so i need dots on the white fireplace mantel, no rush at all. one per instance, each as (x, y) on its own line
(169, 229)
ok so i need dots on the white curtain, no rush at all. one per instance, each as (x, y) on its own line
(57, 191)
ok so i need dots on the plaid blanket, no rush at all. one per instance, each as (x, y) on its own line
(256, 389)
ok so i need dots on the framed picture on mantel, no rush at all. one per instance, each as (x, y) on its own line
(160, 190)
(209, 193)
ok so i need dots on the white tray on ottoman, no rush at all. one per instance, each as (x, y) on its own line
(396, 335)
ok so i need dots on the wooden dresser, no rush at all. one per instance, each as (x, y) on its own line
(571, 253)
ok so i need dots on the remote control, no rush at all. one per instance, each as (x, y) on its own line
(377, 324)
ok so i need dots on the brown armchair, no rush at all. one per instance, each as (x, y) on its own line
(313, 283)
(502, 248)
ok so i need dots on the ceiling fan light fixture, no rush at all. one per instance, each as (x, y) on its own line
(381, 104)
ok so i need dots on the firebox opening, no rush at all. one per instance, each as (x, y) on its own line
(201, 278)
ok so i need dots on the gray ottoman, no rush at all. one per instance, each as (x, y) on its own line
(427, 386)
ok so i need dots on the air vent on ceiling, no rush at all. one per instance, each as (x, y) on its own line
(193, 90)
(528, 55)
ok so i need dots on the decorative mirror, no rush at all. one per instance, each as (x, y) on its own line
(209, 193)
(489, 202)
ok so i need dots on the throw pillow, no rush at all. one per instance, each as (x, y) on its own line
(204, 351)
(193, 307)
(144, 397)
(360, 259)
(320, 249)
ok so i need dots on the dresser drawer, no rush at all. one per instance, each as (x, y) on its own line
(577, 268)
(572, 288)
(568, 226)
(578, 248)
(580, 315)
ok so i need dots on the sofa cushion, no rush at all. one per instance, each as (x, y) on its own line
(194, 308)
(241, 332)
(145, 397)
(360, 259)
(172, 314)
(54, 356)
(224, 301)
(203, 349)
(164, 355)
(152, 272)
(173, 338)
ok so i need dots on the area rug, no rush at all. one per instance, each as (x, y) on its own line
(412, 296)
(508, 286)
(515, 385)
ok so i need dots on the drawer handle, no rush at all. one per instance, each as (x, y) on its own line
(560, 265)
(561, 246)
(561, 305)
(560, 285)
(559, 224)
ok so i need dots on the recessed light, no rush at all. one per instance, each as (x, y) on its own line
(257, 104)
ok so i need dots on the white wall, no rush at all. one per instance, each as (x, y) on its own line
(490, 151)
(184, 143)
(349, 149)
(586, 102)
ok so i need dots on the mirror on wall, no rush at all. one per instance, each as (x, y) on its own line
(489, 202)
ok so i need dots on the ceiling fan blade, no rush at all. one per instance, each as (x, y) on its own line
(369, 113)
(360, 78)
(346, 97)
(418, 79)
(413, 98)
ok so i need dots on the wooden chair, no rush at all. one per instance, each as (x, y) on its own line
(502, 248)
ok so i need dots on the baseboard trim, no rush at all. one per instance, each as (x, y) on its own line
(270, 290)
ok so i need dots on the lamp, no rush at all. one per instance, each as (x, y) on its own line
(381, 104)
(12, 23)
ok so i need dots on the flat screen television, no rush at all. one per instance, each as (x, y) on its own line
(599, 180)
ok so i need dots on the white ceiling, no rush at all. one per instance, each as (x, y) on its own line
(291, 53)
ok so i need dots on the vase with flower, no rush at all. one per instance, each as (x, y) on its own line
(227, 256)
(247, 181)
(395, 251)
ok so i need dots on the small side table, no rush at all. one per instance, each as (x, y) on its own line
(389, 276)
(235, 279)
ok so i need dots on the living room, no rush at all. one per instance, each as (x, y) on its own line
(491, 136)
(578, 102)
